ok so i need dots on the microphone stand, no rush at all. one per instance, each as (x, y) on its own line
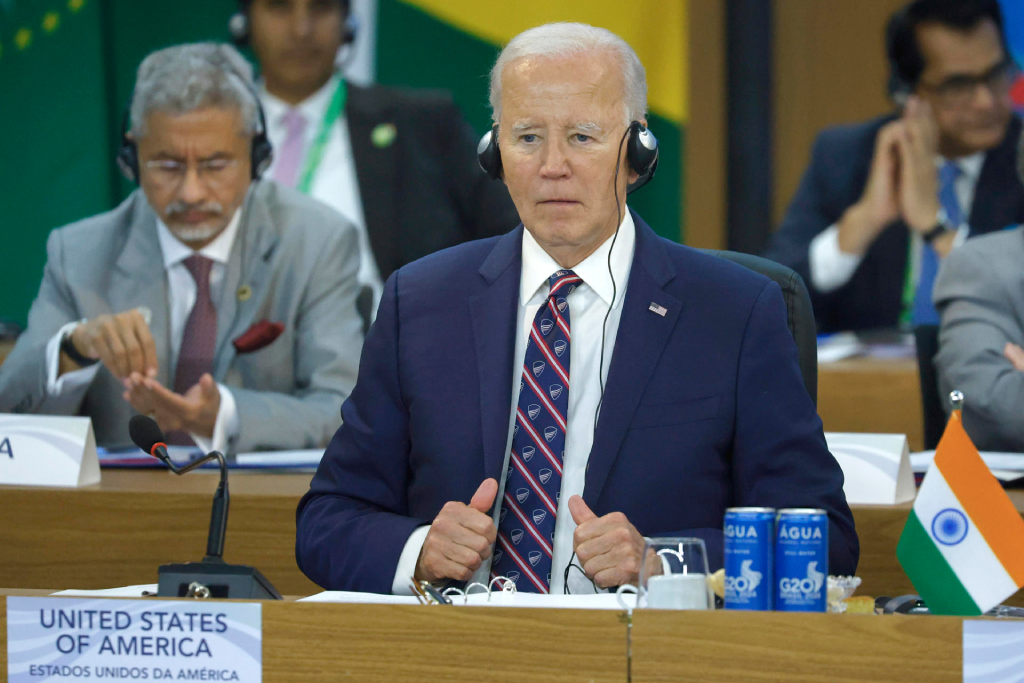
(212, 577)
(221, 501)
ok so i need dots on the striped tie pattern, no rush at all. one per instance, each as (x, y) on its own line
(526, 528)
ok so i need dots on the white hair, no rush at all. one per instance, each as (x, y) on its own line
(564, 39)
(186, 78)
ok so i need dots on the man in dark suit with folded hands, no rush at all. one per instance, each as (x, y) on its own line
(884, 201)
(492, 376)
(222, 307)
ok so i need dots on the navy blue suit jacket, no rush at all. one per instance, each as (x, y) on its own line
(835, 180)
(704, 408)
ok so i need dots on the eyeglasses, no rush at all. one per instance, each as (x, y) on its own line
(211, 172)
(958, 91)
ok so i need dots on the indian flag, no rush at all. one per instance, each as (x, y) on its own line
(963, 545)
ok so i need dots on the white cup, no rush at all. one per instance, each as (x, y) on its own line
(677, 591)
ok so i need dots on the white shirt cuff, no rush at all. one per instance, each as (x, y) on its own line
(830, 266)
(225, 429)
(69, 381)
(407, 561)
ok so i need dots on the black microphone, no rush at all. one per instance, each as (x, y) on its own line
(211, 577)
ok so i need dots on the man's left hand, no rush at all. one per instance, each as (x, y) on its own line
(194, 411)
(609, 548)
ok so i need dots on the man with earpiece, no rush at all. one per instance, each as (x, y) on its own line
(883, 202)
(221, 306)
(533, 405)
(397, 164)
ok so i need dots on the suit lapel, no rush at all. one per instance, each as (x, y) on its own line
(639, 344)
(998, 194)
(249, 265)
(494, 312)
(376, 168)
(139, 279)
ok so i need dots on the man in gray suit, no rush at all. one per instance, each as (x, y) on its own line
(980, 295)
(225, 308)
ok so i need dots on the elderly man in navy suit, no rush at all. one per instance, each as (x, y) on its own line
(546, 399)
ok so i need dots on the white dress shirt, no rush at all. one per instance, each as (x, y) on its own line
(831, 267)
(588, 305)
(335, 182)
(181, 291)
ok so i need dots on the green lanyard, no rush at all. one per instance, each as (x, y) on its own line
(909, 288)
(316, 151)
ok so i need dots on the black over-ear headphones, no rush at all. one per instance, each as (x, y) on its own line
(261, 152)
(238, 24)
(641, 153)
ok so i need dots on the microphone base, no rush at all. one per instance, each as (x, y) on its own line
(232, 581)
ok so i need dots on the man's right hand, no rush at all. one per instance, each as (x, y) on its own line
(122, 342)
(460, 538)
(879, 205)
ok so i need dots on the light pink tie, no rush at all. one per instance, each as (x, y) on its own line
(289, 154)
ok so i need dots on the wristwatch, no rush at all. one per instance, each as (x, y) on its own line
(68, 347)
(942, 226)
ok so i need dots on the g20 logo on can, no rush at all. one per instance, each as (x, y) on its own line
(803, 587)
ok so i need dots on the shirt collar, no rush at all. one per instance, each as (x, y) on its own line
(538, 265)
(313, 108)
(970, 166)
(175, 251)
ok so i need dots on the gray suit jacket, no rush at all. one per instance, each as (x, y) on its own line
(980, 295)
(299, 257)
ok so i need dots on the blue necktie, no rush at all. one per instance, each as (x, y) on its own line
(533, 480)
(924, 312)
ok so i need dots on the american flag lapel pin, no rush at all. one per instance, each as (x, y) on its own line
(660, 310)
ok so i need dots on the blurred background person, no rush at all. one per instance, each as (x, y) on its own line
(980, 295)
(399, 164)
(222, 307)
(882, 202)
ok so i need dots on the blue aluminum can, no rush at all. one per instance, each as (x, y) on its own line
(749, 538)
(801, 560)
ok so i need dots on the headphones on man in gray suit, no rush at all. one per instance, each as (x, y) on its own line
(641, 153)
(261, 152)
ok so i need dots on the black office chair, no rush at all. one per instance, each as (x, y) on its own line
(800, 316)
(927, 339)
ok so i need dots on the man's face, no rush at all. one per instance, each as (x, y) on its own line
(195, 170)
(971, 117)
(296, 41)
(560, 128)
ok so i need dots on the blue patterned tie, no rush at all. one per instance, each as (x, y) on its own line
(526, 530)
(924, 312)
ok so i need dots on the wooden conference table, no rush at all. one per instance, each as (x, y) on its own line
(324, 642)
(872, 395)
(118, 532)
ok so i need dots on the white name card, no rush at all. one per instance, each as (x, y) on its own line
(46, 450)
(876, 467)
(69, 639)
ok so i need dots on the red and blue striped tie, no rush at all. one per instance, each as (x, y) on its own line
(526, 530)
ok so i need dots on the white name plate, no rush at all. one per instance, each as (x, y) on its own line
(992, 650)
(71, 639)
(876, 467)
(46, 450)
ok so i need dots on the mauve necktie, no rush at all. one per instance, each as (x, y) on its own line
(195, 356)
(533, 481)
(289, 154)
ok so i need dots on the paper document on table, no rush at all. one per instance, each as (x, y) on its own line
(838, 346)
(290, 459)
(124, 592)
(364, 598)
(481, 599)
(1005, 467)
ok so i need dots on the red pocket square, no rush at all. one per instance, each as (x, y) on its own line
(257, 336)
